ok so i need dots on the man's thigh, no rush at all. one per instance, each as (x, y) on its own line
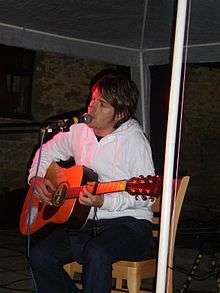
(123, 239)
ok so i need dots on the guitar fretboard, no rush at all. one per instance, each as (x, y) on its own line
(98, 188)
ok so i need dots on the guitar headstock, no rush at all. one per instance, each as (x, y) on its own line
(150, 186)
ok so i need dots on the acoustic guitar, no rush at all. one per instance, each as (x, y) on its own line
(65, 205)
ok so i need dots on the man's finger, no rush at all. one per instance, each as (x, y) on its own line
(49, 184)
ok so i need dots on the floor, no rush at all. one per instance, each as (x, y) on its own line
(15, 276)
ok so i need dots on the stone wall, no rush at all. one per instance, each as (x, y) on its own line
(60, 85)
(15, 153)
(201, 132)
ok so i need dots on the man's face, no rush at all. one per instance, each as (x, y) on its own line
(103, 114)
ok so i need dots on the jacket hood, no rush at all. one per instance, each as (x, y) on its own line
(130, 125)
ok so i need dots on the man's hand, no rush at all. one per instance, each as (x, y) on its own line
(88, 199)
(43, 188)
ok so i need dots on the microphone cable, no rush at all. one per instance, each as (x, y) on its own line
(43, 132)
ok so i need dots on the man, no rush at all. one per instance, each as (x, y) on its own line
(118, 226)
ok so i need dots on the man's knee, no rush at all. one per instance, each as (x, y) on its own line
(97, 254)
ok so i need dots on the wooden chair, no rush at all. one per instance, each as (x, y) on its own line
(135, 272)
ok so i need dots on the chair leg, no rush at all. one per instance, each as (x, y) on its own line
(119, 284)
(133, 281)
(67, 268)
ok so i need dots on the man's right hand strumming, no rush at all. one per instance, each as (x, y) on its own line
(43, 188)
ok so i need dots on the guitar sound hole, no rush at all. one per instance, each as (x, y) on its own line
(59, 195)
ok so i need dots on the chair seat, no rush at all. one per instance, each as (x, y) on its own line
(146, 268)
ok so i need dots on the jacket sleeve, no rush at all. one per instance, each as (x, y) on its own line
(58, 148)
(139, 162)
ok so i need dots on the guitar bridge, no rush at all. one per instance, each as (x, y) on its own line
(59, 195)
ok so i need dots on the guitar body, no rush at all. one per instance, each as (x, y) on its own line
(65, 204)
(36, 214)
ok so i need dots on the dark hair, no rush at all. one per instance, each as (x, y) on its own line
(121, 92)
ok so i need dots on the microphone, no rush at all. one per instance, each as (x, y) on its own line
(64, 124)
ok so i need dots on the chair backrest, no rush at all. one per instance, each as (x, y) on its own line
(156, 217)
(181, 184)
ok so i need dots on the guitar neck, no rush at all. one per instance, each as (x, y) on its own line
(98, 188)
(108, 187)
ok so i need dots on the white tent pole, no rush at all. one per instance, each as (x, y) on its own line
(142, 73)
(142, 93)
(170, 146)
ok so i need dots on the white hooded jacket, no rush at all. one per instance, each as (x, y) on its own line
(123, 154)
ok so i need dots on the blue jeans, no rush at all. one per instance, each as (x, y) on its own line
(99, 244)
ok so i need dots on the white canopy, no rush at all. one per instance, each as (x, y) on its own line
(116, 31)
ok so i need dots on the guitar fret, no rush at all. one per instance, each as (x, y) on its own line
(108, 187)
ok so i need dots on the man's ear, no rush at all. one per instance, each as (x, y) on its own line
(119, 116)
